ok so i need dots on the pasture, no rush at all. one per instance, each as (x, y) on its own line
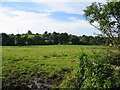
(47, 66)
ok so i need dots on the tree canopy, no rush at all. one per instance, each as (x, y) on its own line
(29, 32)
(106, 18)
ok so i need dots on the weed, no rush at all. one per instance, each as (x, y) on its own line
(89, 75)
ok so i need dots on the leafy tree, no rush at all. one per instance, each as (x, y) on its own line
(63, 38)
(21, 40)
(25, 40)
(11, 40)
(84, 40)
(7, 40)
(37, 33)
(106, 18)
(30, 41)
(37, 40)
(55, 37)
(74, 39)
(91, 40)
(99, 40)
(18, 39)
(29, 32)
(45, 35)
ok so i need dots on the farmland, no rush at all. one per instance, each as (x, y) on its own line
(50, 65)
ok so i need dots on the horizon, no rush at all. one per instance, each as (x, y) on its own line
(47, 32)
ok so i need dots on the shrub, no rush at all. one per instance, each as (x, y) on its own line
(92, 75)
(112, 57)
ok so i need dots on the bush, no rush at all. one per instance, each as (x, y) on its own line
(92, 75)
(113, 57)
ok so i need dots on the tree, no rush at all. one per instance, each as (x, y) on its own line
(21, 40)
(84, 40)
(74, 39)
(29, 32)
(55, 37)
(106, 18)
(63, 38)
(7, 40)
(46, 35)
(37, 40)
(25, 40)
(18, 40)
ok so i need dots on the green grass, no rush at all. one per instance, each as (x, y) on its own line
(31, 36)
(50, 64)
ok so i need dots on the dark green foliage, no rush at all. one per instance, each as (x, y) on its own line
(21, 41)
(63, 38)
(29, 32)
(112, 58)
(7, 40)
(74, 39)
(37, 40)
(52, 39)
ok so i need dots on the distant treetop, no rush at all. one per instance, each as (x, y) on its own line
(29, 32)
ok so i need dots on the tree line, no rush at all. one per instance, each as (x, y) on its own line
(51, 39)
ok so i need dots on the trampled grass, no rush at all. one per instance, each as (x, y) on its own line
(21, 65)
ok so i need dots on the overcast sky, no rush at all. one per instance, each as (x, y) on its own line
(48, 15)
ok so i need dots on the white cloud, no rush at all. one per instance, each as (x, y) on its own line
(68, 7)
(14, 20)
(55, 0)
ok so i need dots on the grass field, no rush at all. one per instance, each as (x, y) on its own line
(44, 65)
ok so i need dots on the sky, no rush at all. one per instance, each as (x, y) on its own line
(19, 16)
